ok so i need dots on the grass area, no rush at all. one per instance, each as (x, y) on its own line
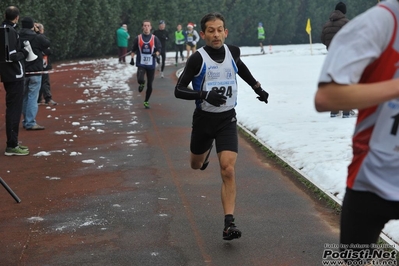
(316, 192)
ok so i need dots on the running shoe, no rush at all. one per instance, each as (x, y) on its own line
(35, 127)
(141, 87)
(51, 102)
(351, 114)
(335, 114)
(231, 232)
(22, 147)
(146, 105)
(15, 151)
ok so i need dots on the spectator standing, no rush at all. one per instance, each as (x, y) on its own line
(147, 47)
(212, 71)
(45, 90)
(163, 36)
(122, 40)
(360, 71)
(335, 22)
(261, 36)
(12, 77)
(179, 43)
(192, 38)
(33, 75)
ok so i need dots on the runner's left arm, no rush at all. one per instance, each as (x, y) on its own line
(243, 70)
(246, 75)
(135, 47)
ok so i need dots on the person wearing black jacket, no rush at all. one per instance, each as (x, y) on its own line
(45, 89)
(12, 77)
(163, 36)
(335, 22)
(212, 71)
(34, 69)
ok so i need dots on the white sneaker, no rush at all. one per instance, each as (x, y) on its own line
(161, 74)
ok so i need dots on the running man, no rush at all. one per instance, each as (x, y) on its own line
(192, 38)
(180, 39)
(163, 36)
(261, 36)
(361, 72)
(147, 47)
(214, 116)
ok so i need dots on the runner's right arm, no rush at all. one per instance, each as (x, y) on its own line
(135, 47)
(192, 68)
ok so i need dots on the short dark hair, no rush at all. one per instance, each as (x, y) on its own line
(146, 20)
(12, 12)
(211, 16)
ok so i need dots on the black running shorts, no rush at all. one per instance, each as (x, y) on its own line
(221, 127)
(364, 215)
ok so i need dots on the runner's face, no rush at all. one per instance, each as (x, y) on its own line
(146, 27)
(214, 34)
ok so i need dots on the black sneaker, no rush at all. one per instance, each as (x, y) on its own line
(231, 232)
(141, 87)
(206, 161)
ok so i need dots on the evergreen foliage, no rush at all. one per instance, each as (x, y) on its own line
(87, 28)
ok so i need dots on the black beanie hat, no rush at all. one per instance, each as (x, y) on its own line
(341, 7)
(27, 23)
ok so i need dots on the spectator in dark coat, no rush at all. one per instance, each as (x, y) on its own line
(336, 21)
(33, 75)
(12, 77)
(45, 90)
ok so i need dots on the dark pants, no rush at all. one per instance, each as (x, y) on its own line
(363, 216)
(163, 55)
(141, 71)
(45, 92)
(122, 51)
(14, 97)
(179, 48)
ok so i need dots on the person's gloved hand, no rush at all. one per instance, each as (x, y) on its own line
(132, 61)
(263, 95)
(194, 42)
(215, 98)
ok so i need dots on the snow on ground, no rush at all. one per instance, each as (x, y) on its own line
(317, 146)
